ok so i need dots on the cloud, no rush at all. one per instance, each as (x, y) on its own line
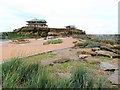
(93, 16)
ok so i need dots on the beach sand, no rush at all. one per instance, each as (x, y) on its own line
(9, 50)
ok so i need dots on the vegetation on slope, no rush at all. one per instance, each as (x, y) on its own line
(87, 44)
(17, 74)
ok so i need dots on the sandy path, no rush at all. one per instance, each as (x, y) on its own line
(9, 50)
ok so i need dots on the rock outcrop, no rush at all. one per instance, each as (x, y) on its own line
(114, 78)
(107, 66)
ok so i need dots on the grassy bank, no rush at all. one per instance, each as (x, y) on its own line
(17, 74)
(12, 35)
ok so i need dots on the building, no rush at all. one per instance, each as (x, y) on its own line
(71, 27)
(40, 27)
(37, 23)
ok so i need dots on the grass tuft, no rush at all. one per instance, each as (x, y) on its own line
(57, 41)
(87, 44)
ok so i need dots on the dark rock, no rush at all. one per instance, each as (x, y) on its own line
(110, 49)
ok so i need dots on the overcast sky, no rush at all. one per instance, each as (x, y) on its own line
(92, 16)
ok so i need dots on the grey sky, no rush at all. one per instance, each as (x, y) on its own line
(92, 16)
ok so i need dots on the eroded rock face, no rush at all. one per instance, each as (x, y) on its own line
(107, 66)
(92, 60)
(104, 53)
(114, 78)
(90, 52)
(115, 47)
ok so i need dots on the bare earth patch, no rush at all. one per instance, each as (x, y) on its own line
(35, 46)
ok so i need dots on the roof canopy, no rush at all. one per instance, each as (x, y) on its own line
(37, 20)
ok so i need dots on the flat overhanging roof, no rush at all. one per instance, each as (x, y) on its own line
(37, 20)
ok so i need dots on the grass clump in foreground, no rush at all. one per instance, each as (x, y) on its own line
(87, 44)
(56, 41)
(17, 74)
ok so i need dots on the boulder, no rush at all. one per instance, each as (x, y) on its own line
(104, 53)
(88, 52)
(105, 48)
(111, 49)
(83, 56)
(96, 49)
(115, 47)
(114, 78)
(107, 66)
(92, 60)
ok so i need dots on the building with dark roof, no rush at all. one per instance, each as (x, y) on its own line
(37, 23)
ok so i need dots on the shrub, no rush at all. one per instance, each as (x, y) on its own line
(88, 44)
(55, 41)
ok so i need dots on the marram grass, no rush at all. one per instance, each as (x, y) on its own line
(17, 74)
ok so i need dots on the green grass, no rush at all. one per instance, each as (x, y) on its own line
(57, 41)
(87, 65)
(81, 78)
(101, 83)
(87, 44)
(37, 58)
(12, 35)
(104, 58)
(66, 67)
(18, 74)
